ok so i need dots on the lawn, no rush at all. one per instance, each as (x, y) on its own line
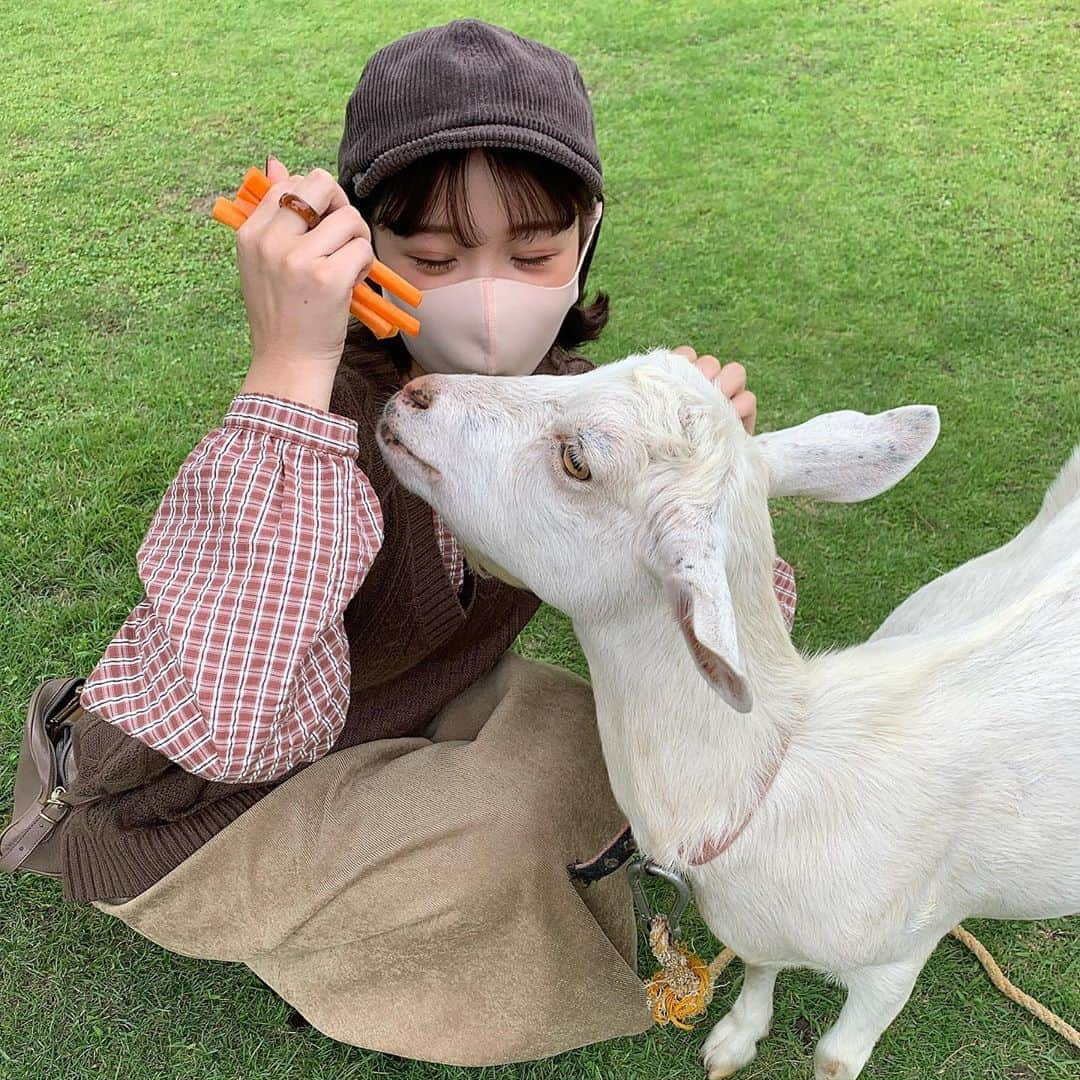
(868, 204)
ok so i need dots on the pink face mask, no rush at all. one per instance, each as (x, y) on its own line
(490, 325)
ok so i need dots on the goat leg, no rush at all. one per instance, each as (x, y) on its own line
(875, 997)
(732, 1043)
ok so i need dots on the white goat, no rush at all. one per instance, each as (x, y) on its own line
(842, 812)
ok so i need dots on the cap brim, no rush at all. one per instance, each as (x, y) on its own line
(501, 135)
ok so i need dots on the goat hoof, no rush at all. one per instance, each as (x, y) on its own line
(720, 1071)
(830, 1068)
(729, 1047)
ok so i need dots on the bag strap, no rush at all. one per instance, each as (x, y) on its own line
(36, 823)
(34, 827)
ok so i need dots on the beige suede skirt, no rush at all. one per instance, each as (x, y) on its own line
(411, 895)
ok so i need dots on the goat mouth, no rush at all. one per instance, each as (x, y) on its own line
(389, 439)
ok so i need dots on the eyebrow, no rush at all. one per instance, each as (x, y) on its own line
(518, 232)
(532, 228)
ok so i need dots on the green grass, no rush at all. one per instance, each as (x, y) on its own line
(867, 204)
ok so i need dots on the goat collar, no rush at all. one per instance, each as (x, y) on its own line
(717, 845)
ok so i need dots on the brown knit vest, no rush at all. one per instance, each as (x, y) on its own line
(414, 645)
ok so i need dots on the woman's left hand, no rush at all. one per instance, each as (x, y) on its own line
(731, 378)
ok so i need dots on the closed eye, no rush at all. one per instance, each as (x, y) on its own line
(435, 266)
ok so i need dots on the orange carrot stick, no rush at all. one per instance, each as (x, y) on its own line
(244, 206)
(384, 276)
(375, 323)
(227, 214)
(256, 180)
(390, 312)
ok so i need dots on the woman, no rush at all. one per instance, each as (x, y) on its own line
(318, 755)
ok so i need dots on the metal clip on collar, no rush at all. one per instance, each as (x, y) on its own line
(641, 902)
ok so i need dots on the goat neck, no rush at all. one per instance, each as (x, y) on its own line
(684, 766)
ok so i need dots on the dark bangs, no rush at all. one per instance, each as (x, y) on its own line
(537, 194)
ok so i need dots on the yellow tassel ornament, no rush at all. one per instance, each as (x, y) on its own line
(683, 987)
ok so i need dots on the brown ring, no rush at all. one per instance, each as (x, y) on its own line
(305, 210)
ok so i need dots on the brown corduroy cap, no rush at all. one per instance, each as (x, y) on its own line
(466, 84)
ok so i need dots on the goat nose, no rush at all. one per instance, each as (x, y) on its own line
(418, 394)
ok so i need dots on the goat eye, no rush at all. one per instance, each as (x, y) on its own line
(573, 462)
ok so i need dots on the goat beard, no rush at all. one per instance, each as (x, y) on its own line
(483, 567)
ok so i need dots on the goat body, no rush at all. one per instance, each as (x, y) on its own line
(928, 775)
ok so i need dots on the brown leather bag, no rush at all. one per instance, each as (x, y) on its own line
(45, 773)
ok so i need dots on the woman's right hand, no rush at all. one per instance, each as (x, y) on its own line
(297, 284)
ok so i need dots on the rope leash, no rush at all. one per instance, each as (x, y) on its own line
(682, 989)
(1014, 993)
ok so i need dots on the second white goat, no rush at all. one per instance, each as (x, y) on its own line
(841, 812)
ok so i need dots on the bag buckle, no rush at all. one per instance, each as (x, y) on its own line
(55, 799)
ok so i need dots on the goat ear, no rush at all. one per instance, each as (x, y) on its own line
(699, 591)
(848, 456)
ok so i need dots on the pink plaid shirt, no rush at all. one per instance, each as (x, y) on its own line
(235, 664)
